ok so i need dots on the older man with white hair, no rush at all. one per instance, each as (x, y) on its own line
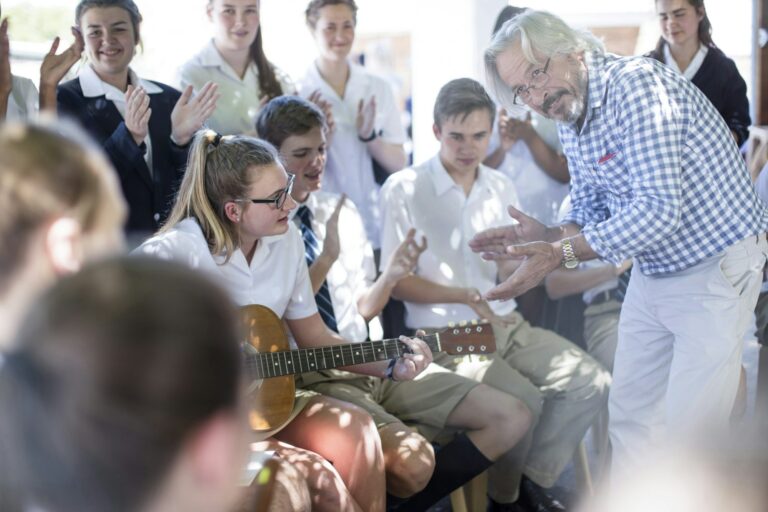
(656, 177)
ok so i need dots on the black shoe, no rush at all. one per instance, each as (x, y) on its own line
(535, 498)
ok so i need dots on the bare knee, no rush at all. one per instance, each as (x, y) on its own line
(409, 461)
(290, 492)
(517, 419)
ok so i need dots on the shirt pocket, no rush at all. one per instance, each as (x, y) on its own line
(612, 172)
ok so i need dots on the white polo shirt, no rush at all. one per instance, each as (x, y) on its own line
(22, 103)
(540, 195)
(93, 87)
(349, 168)
(239, 100)
(354, 271)
(277, 276)
(426, 198)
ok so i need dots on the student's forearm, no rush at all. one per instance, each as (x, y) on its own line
(551, 162)
(389, 156)
(495, 159)
(318, 271)
(373, 300)
(563, 283)
(423, 291)
(47, 99)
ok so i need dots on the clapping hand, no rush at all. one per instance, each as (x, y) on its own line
(492, 243)
(190, 113)
(137, 113)
(474, 299)
(538, 260)
(366, 117)
(331, 244)
(55, 67)
(317, 98)
(403, 261)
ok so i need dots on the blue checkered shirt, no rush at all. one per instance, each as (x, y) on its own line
(655, 173)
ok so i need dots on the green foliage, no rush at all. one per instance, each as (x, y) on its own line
(31, 23)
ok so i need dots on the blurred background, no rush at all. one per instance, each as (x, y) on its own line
(417, 45)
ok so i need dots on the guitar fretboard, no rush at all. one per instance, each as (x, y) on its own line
(260, 365)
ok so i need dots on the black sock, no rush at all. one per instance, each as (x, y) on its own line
(456, 463)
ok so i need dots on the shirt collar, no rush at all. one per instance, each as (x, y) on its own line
(210, 57)
(597, 86)
(310, 203)
(443, 182)
(93, 86)
(693, 66)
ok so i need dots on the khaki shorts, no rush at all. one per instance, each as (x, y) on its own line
(423, 403)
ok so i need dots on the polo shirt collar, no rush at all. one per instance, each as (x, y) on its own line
(210, 57)
(93, 86)
(443, 182)
(597, 86)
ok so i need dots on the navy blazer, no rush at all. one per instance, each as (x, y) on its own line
(720, 81)
(150, 196)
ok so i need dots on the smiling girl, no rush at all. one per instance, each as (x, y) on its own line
(366, 116)
(144, 126)
(235, 60)
(686, 45)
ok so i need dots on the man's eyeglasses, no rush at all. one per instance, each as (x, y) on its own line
(539, 78)
(279, 199)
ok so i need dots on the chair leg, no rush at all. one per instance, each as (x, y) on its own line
(581, 466)
(458, 501)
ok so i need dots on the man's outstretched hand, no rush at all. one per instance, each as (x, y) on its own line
(492, 243)
(538, 260)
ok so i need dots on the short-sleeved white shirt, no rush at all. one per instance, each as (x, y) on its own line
(540, 194)
(426, 198)
(277, 276)
(354, 271)
(22, 103)
(349, 168)
(239, 100)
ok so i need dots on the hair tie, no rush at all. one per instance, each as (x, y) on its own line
(217, 139)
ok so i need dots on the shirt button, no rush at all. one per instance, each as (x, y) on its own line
(157, 217)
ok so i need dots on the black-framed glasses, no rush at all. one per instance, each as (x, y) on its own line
(539, 77)
(279, 197)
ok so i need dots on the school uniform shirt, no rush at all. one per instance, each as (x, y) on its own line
(349, 168)
(426, 198)
(22, 103)
(354, 271)
(239, 100)
(277, 276)
(540, 195)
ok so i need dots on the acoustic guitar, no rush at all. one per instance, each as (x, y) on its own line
(271, 364)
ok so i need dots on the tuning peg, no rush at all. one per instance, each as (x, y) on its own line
(462, 323)
(474, 322)
(451, 325)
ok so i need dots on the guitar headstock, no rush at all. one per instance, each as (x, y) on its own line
(468, 338)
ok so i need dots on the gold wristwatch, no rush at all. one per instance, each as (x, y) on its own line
(570, 261)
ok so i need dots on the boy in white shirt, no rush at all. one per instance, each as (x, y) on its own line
(348, 294)
(449, 199)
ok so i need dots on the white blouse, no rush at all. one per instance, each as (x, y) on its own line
(277, 276)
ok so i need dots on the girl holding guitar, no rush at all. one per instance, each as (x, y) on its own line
(231, 219)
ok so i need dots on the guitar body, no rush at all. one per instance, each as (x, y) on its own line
(271, 403)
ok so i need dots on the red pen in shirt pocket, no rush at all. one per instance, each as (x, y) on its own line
(605, 158)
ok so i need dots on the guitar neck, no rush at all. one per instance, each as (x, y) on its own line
(262, 365)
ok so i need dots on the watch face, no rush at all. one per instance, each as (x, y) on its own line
(571, 264)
